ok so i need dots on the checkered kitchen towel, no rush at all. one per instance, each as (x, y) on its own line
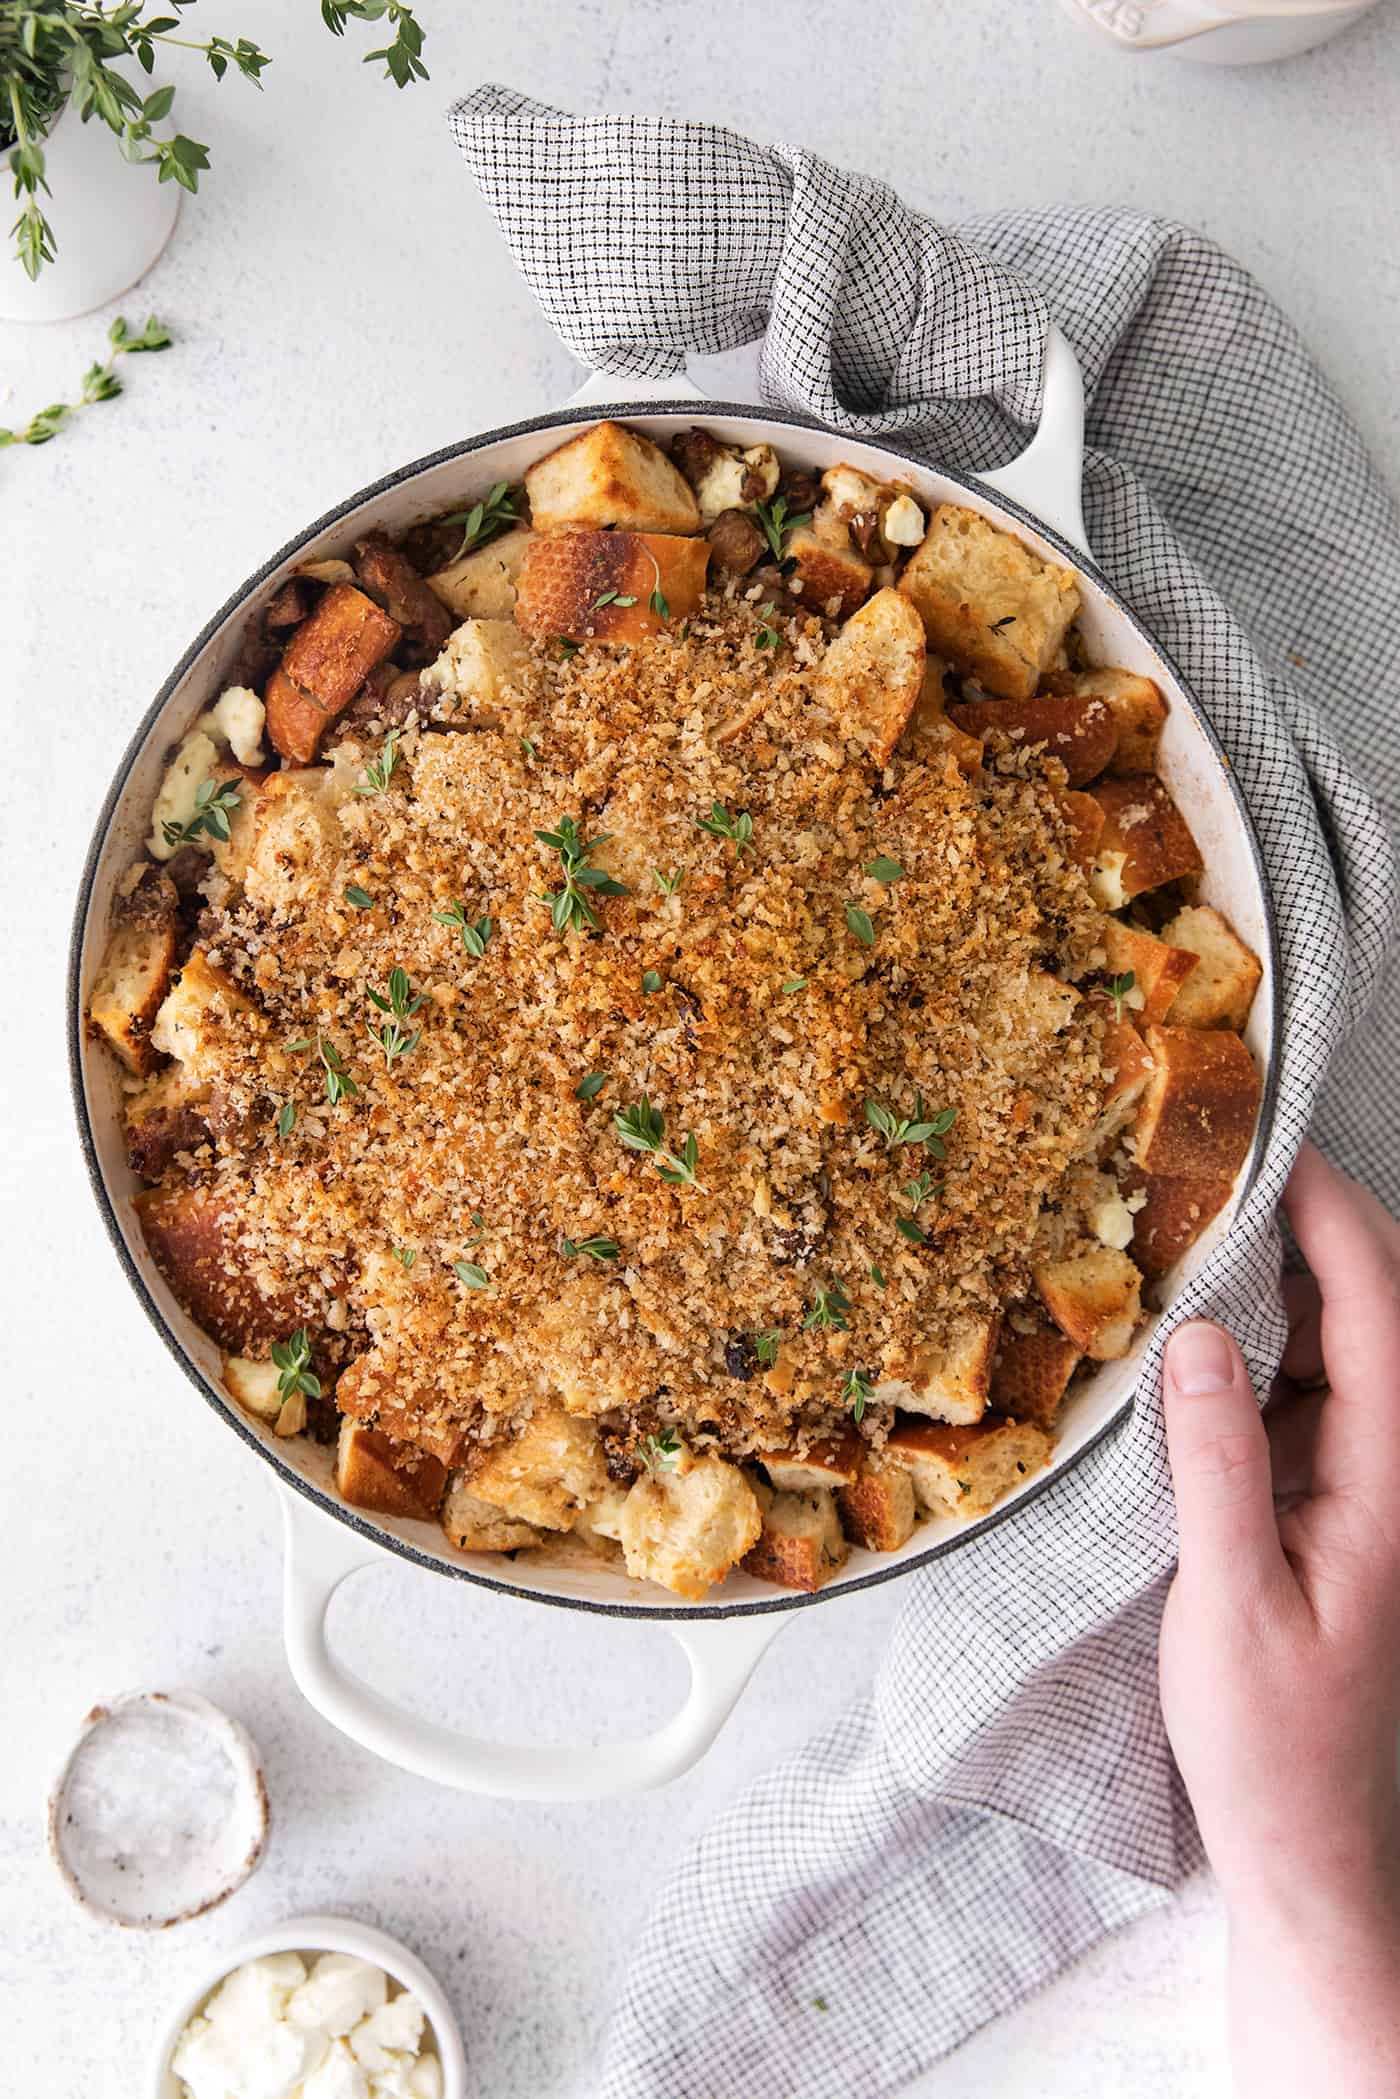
(1006, 1796)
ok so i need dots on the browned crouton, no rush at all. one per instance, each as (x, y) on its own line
(829, 1464)
(377, 1391)
(473, 1525)
(1158, 969)
(801, 1543)
(1032, 1372)
(481, 585)
(136, 969)
(1095, 1298)
(546, 1474)
(1079, 732)
(1084, 820)
(951, 1380)
(1171, 1216)
(1219, 991)
(1145, 840)
(877, 1508)
(870, 677)
(396, 585)
(324, 665)
(194, 1238)
(393, 1479)
(686, 1529)
(610, 476)
(1138, 712)
(965, 1471)
(834, 579)
(1199, 1108)
(991, 606)
(565, 574)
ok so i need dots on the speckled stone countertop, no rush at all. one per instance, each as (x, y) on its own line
(342, 303)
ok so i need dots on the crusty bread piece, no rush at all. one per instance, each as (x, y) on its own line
(392, 1479)
(687, 1530)
(323, 666)
(952, 1380)
(376, 1391)
(1199, 1107)
(1081, 733)
(801, 1543)
(474, 1525)
(1138, 712)
(1126, 1055)
(292, 827)
(1032, 1372)
(166, 1117)
(966, 1471)
(194, 1238)
(930, 733)
(1169, 1216)
(481, 585)
(564, 574)
(871, 675)
(255, 1383)
(481, 660)
(988, 604)
(835, 580)
(830, 1464)
(1157, 967)
(1145, 842)
(1095, 1298)
(1084, 820)
(546, 1474)
(610, 476)
(196, 1016)
(877, 1509)
(135, 974)
(1220, 990)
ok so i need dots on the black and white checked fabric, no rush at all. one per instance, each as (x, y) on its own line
(1006, 1795)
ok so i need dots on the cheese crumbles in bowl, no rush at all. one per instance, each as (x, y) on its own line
(706, 1033)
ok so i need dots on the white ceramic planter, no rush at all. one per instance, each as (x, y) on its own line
(111, 220)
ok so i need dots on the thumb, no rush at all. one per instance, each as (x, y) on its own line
(1219, 1458)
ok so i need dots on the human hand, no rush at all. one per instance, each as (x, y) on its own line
(1280, 1651)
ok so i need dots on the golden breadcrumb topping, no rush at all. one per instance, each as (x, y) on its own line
(470, 1213)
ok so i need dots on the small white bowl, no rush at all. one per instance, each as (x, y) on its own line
(323, 1935)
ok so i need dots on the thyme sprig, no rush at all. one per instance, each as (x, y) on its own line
(400, 1002)
(919, 1128)
(776, 523)
(1118, 989)
(571, 905)
(829, 1311)
(100, 383)
(596, 1246)
(642, 1128)
(214, 803)
(661, 1453)
(737, 828)
(293, 1360)
(856, 1392)
(486, 520)
(381, 770)
(476, 935)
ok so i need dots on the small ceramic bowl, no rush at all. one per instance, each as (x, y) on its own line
(312, 1935)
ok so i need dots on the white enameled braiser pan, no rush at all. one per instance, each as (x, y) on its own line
(1036, 496)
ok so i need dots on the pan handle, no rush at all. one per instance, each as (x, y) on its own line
(1046, 478)
(321, 1554)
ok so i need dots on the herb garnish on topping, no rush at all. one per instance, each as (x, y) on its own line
(857, 1389)
(661, 1453)
(599, 1248)
(829, 1309)
(570, 906)
(765, 1346)
(474, 936)
(883, 869)
(214, 803)
(642, 1128)
(1118, 989)
(293, 1360)
(919, 1128)
(470, 1273)
(486, 519)
(381, 771)
(357, 898)
(861, 924)
(775, 523)
(738, 829)
(286, 1119)
(400, 1003)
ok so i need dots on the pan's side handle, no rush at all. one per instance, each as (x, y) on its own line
(1047, 478)
(605, 390)
(321, 1554)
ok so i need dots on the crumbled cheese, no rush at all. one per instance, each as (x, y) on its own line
(184, 776)
(254, 1385)
(236, 719)
(903, 523)
(1106, 881)
(852, 494)
(1111, 1222)
(271, 2031)
(722, 484)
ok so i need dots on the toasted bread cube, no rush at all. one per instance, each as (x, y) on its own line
(392, 1479)
(872, 674)
(966, 1471)
(603, 1518)
(687, 1531)
(565, 574)
(1095, 1298)
(1084, 820)
(376, 1391)
(877, 1509)
(829, 1464)
(165, 1118)
(547, 1473)
(1032, 1372)
(610, 476)
(1126, 1055)
(1157, 967)
(1138, 712)
(201, 1013)
(1219, 991)
(481, 585)
(227, 1288)
(1079, 732)
(135, 974)
(473, 1525)
(801, 1542)
(1145, 840)
(1169, 1216)
(951, 1380)
(832, 578)
(988, 604)
(483, 658)
(255, 1383)
(323, 667)
(1199, 1108)
(292, 840)
(930, 733)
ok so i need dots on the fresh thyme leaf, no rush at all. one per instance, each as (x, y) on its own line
(588, 1089)
(1118, 989)
(642, 1128)
(381, 771)
(286, 1118)
(570, 906)
(829, 1308)
(910, 1229)
(565, 647)
(339, 1084)
(394, 1041)
(486, 519)
(738, 829)
(475, 938)
(405, 1255)
(611, 597)
(305, 1043)
(883, 869)
(861, 924)
(919, 1190)
(528, 748)
(651, 982)
(919, 1128)
(766, 1345)
(667, 884)
(214, 803)
(360, 898)
(470, 1273)
(1007, 620)
(791, 984)
(601, 1249)
(661, 1453)
(877, 1274)
(776, 523)
(397, 997)
(293, 1360)
(659, 604)
(856, 1391)
(769, 635)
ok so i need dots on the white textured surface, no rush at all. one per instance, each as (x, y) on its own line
(342, 304)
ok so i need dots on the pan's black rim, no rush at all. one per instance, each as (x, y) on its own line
(327, 1503)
